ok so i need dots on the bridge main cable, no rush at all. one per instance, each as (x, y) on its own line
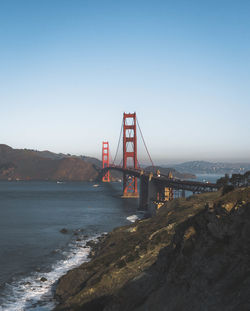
(145, 143)
(117, 149)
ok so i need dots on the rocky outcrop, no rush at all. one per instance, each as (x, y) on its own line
(193, 255)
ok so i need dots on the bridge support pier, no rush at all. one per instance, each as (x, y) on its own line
(144, 192)
(153, 197)
(183, 193)
(156, 196)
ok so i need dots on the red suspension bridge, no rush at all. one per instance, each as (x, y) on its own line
(155, 188)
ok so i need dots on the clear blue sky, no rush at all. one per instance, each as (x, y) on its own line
(69, 69)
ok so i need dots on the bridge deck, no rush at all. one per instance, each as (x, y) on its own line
(174, 183)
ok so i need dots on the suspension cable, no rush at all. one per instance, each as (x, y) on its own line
(145, 143)
(138, 165)
(110, 158)
(117, 149)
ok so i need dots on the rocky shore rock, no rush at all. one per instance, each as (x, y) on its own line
(193, 255)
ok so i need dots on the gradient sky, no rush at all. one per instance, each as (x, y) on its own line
(70, 68)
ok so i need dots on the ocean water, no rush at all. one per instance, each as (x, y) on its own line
(208, 177)
(32, 214)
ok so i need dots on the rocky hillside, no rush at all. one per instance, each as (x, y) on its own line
(23, 164)
(193, 255)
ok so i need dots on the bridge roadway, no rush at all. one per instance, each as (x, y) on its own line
(174, 183)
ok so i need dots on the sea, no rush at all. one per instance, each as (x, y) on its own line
(212, 178)
(44, 232)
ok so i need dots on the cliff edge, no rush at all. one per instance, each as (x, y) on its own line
(193, 255)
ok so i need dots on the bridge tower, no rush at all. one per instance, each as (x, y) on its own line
(105, 160)
(129, 155)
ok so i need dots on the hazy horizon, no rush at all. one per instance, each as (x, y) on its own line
(69, 69)
(144, 161)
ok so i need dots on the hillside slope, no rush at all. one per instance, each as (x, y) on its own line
(25, 164)
(203, 167)
(194, 255)
(22, 164)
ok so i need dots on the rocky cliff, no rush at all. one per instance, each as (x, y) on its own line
(22, 164)
(193, 255)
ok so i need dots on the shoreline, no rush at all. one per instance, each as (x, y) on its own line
(38, 289)
(136, 265)
(42, 216)
(113, 250)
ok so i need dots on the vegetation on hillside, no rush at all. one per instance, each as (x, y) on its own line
(193, 255)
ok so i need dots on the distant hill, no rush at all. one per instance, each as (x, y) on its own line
(28, 164)
(24, 164)
(166, 170)
(92, 160)
(203, 167)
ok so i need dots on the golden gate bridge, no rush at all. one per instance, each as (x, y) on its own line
(155, 188)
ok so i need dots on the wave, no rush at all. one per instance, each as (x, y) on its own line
(35, 292)
(132, 218)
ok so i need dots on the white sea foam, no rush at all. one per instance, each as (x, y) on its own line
(32, 294)
(132, 218)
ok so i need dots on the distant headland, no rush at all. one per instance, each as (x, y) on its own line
(28, 165)
(24, 164)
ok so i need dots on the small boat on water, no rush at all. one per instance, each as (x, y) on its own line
(95, 185)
